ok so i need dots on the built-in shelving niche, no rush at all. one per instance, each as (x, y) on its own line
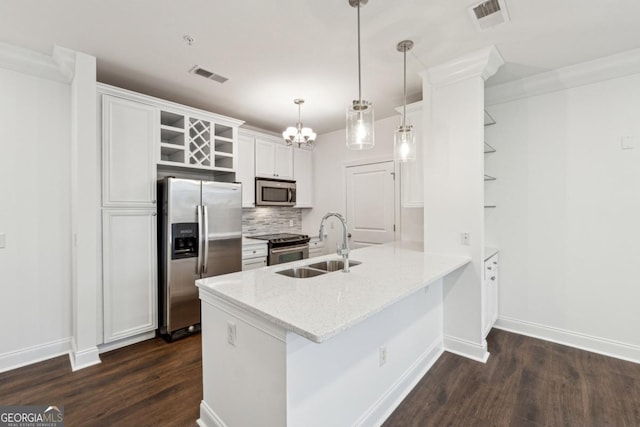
(488, 149)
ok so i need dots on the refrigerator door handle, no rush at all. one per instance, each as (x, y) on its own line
(205, 235)
(199, 263)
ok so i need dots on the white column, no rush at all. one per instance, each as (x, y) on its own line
(453, 95)
(84, 204)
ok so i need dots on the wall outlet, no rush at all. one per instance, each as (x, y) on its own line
(231, 333)
(383, 355)
(290, 223)
(465, 239)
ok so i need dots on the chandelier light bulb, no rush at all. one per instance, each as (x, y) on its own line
(298, 134)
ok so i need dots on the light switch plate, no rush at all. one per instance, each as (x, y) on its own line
(3, 240)
(627, 142)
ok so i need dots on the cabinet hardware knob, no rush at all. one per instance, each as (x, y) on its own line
(154, 214)
(254, 252)
(153, 201)
(489, 268)
(493, 277)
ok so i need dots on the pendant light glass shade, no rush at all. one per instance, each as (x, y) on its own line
(360, 118)
(360, 130)
(404, 144)
(404, 140)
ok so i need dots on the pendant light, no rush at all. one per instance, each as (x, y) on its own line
(298, 134)
(404, 140)
(360, 113)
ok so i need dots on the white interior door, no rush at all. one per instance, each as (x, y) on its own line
(370, 203)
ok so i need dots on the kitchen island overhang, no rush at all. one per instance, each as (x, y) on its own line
(336, 349)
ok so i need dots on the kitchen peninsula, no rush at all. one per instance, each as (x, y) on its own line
(334, 349)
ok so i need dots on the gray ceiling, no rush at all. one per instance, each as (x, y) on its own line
(273, 51)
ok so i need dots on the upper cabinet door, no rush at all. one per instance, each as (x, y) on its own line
(273, 160)
(246, 170)
(265, 158)
(128, 160)
(284, 161)
(303, 174)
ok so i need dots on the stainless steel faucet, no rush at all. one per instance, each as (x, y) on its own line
(344, 250)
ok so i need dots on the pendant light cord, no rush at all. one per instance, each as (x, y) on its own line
(359, 72)
(404, 108)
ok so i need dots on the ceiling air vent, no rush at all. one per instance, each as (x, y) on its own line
(208, 74)
(489, 13)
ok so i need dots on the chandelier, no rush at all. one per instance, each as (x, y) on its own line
(298, 134)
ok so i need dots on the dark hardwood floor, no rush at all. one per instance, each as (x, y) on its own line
(152, 383)
(526, 382)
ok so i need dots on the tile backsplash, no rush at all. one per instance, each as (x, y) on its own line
(266, 220)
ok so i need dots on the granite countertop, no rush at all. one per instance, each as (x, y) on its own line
(320, 307)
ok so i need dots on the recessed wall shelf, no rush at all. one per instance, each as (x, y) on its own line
(488, 148)
(488, 120)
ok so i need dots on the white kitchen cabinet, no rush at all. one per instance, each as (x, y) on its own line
(245, 172)
(412, 175)
(129, 272)
(128, 146)
(273, 159)
(303, 175)
(316, 247)
(490, 294)
(197, 140)
(254, 254)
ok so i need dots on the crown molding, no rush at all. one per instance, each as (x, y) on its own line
(481, 63)
(606, 68)
(57, 67)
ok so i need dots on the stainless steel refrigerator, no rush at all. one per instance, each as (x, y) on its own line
(199, 235)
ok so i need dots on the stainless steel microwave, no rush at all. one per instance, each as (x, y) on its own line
(275, 192)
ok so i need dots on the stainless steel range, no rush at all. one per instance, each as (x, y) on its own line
(285, 247)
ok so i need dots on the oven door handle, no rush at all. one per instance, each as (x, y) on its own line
(289, 249)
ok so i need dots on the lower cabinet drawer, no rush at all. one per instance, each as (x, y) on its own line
(316, 252)
(253, 263)
(254, 252)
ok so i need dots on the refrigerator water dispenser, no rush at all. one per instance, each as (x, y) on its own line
(185, 240)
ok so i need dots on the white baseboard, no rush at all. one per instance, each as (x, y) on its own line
(391, 399)
(467, 349)
(208, 418)
(34, 354)
(103, 348)
(598, 345)
(81, 359)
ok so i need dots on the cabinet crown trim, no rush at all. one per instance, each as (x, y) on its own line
(166, 105)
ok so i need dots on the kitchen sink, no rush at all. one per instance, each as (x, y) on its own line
(316, 269)
(332, 264)
(301, 272)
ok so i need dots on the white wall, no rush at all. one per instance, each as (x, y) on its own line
(35, 311)
(329, 157)
(567, 220)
